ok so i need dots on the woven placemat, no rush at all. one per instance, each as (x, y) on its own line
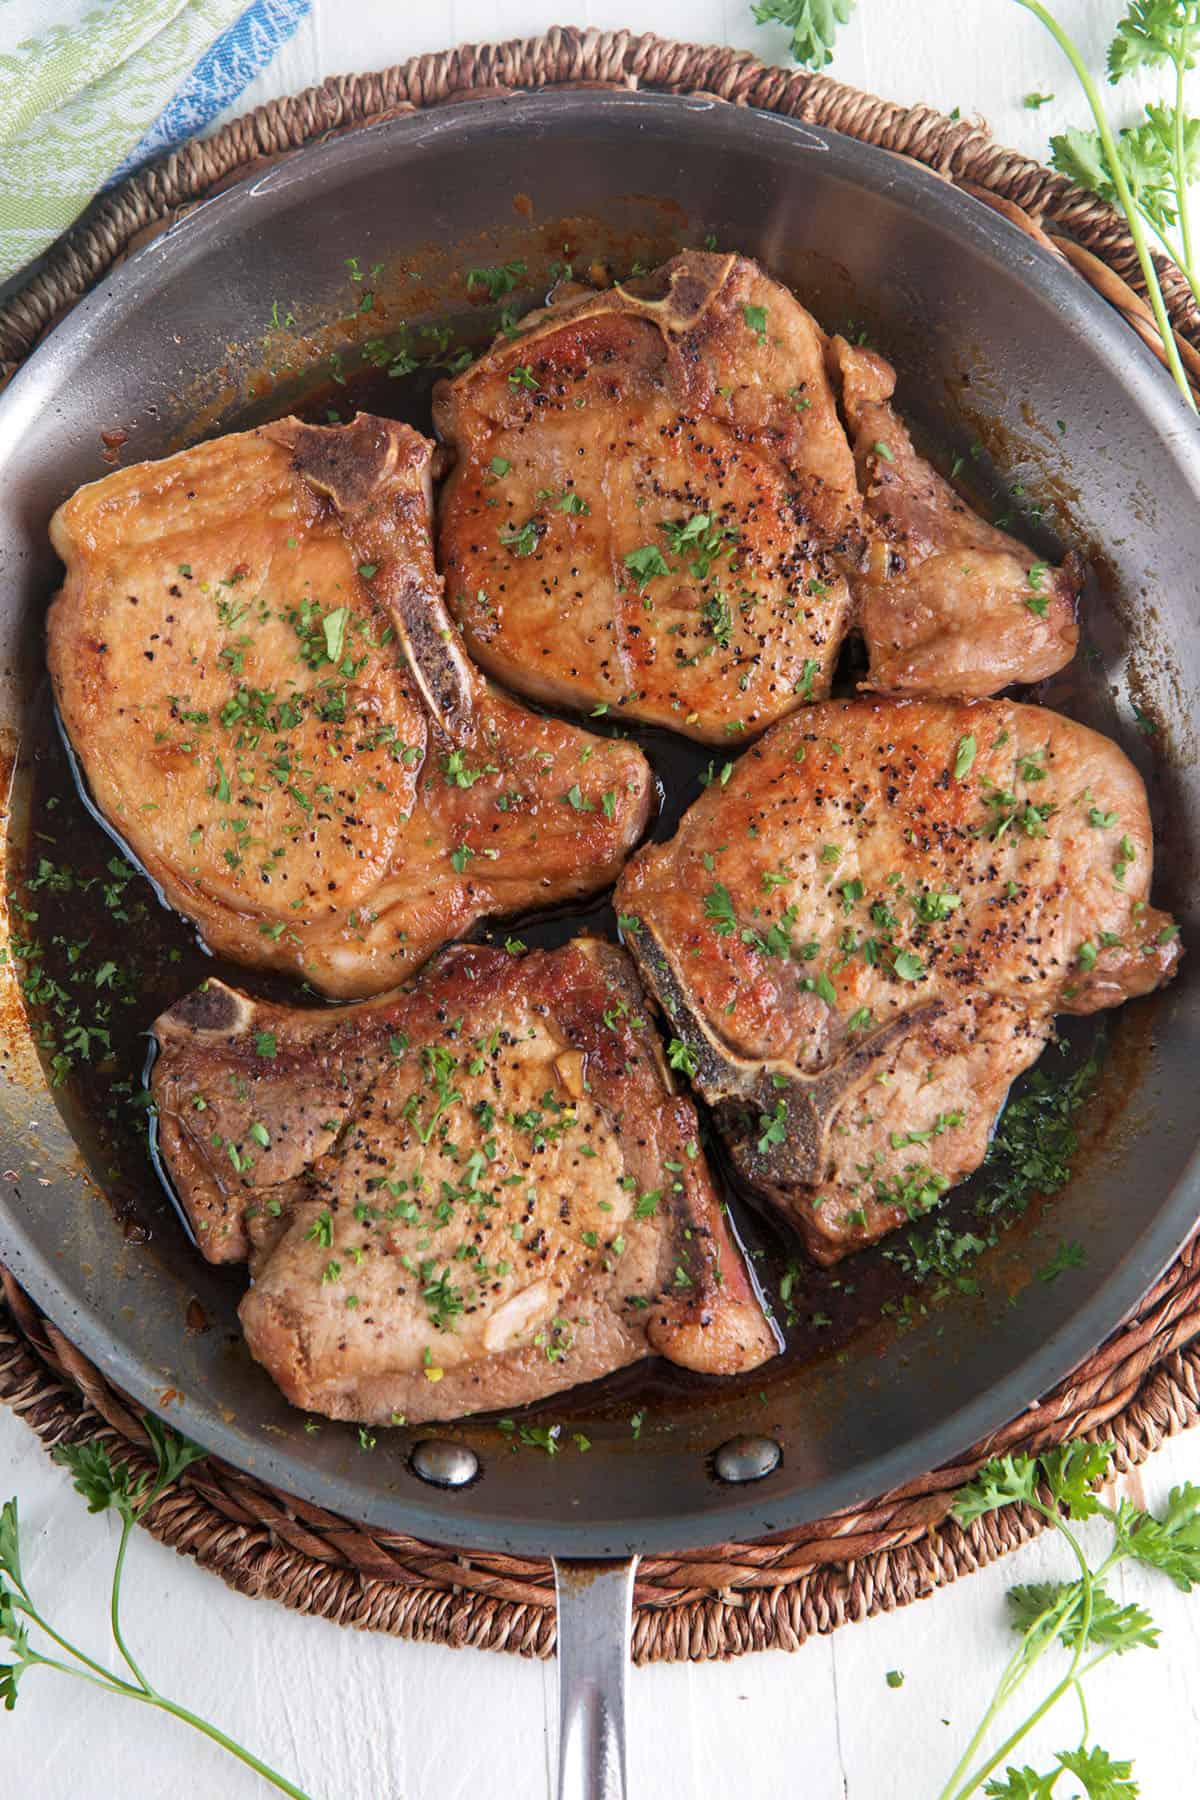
(1139, 1387)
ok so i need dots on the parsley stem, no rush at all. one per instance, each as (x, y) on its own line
(115, 1602)
(1128, 204)
(1181, 180)
(1085, 1728)
(1087, 1581)
(243, 1755)
(105, 1675)
(1020, 1664)
(112, 1684)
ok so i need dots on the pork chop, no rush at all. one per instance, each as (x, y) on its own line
(269, 703)
(460, 1197)
(946, 603)
(863, 936)
(654, 507)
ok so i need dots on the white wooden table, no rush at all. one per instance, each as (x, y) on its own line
(357, 1717)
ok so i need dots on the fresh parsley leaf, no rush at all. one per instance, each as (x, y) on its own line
(813, 24)
(1058, 1606)
(1154, 32)
(173, 1452)
(1102, 1778)
(10, 1542)
(1171, 1543)
(1023, 1784)
(1071, 1470)
(102, 1482)
(1000, 1482)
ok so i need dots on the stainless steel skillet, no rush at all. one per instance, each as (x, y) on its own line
(991, 337)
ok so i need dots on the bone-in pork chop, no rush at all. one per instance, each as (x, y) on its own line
(459, 1197)
(947, 603)
(863, 936)
(270, 704)
(654, 506)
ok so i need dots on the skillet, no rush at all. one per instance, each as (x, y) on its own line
(996, 344)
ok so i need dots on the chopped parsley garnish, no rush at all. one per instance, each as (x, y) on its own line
(804, 687)
(457, 773)
(718, 906)
(756, 319)
(700, 538)
(500, 278)
(646, 564)
(772, 1127)
(717, 617)
(522, 540)
(964, 757)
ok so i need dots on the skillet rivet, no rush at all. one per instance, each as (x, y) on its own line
(747, 1459)
(443, 1463)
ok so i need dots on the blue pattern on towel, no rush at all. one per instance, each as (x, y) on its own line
(222, 73)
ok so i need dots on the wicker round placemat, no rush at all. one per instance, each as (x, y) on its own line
(1139, 1387)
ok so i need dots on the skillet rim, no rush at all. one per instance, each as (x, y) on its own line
(775, 1504)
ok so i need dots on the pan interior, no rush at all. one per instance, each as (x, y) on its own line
(256, 302)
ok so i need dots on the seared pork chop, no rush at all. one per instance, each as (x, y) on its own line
(463, 1196)
(947, 604)
(254, 666)
(862, 937)
(654, 507)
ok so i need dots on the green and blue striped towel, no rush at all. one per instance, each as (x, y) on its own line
(89, 88)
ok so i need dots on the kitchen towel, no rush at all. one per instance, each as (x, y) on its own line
(90, 88)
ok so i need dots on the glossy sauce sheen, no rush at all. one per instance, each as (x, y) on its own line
(161, 960)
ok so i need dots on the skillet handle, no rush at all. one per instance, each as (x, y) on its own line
(595, 1622)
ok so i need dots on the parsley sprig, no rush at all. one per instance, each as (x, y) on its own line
(812, 23)
(1078, 1616)
(104, 1485)
(1144, 169)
